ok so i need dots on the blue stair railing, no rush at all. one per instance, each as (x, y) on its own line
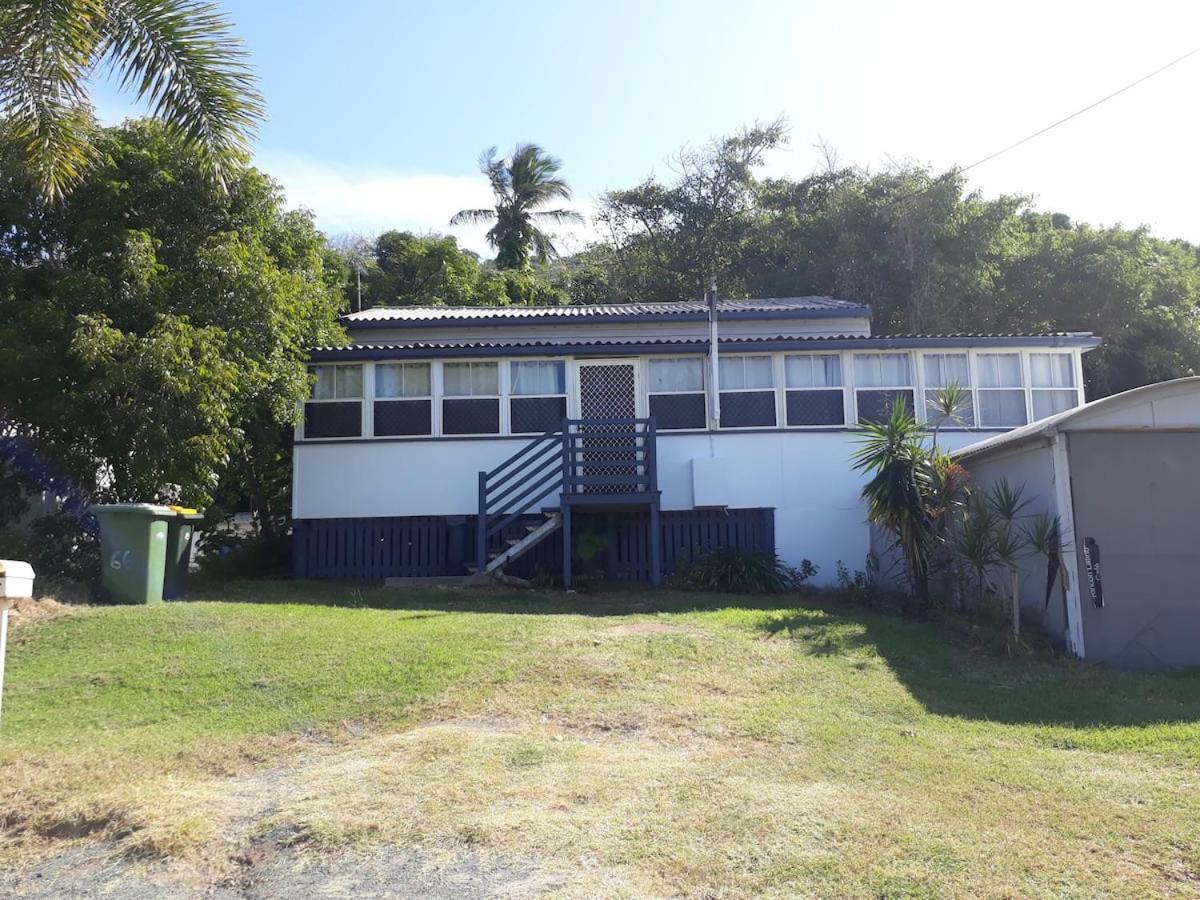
(594, 457)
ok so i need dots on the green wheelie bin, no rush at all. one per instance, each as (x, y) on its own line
(133, 550)
(181, 530)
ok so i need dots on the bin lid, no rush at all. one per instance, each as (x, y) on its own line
(186, 512)
(13, 568)
(146, 509)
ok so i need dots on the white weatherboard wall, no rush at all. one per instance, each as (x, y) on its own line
(804, 476)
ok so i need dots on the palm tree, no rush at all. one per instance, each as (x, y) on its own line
(178, 55)
(521, 185)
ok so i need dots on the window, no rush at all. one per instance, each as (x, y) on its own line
(1001, 390)
(1052, 379)
(471, 398)
(814, 390)
(675, 389)
(880, 379)
(403, 399)
(747, 392)
(941, 371)
(335, 408)
(539, 396)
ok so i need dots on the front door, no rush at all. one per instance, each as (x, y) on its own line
(608, 389)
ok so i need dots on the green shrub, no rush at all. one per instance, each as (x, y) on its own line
(56, 545)
(226, 553)
(733, 571)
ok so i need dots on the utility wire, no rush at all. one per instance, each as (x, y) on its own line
(1052, 125)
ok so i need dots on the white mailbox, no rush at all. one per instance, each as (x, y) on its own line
(16, 579)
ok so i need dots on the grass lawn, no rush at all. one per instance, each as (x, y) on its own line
(708, 746)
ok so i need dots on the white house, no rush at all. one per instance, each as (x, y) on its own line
(657, 463)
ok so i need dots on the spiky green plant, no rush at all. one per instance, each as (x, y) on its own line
(1009, 547)
(947, 406)
(977, 541)
(1006, 501)
(901, 480)
(521, 184)
(178, 56)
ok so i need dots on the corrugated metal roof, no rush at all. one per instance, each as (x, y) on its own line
(654, 345)
(783, 306)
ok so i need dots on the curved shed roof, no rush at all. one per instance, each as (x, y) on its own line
(1168, 405)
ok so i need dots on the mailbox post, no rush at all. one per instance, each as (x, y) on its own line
(16, 580)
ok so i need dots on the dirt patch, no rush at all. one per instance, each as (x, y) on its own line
(648, 628)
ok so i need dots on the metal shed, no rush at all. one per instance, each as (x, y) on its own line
(1121, 473)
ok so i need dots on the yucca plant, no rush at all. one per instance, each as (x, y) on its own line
(947, 406)
(977, 542)
(179, 56)
(901, 481)
(1009, 548)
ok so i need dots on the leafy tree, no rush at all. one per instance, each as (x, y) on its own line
(153, 331)
(522, 185)
(178, 55)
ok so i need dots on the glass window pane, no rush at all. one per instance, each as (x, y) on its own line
(943, 368)
(676, 411)
(1047, 403)
(758, 372)
(348, 381)
(676, 375)
(485, 379)
(748, 409)
(323, 389)
(813, 371)
(538, 377)
(882, 369)
(456, 379)
(402, 380)
(877, 406)
(733, 372)
(1001, 409)
(999, 369)
(1051, 370)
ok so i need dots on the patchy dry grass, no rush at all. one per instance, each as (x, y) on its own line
(704, 750)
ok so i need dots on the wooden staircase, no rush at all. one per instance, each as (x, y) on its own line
(597, 463)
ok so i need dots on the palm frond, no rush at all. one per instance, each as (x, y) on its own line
(45, 53)
(473, 216)
(186, 63)
(559, 216)
(543, 246)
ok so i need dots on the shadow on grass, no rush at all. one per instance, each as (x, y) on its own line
(613, 600)
(957, 674)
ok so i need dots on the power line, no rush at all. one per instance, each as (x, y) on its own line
(1053, 125)
(1080, 112)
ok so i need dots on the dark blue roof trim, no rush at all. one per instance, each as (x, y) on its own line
(591, 348)
(838, 312)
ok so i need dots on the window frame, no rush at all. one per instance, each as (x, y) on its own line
(970, 387)
(913, 375)
(1034, 390)
(704, 391)
(434, 406)
(363, 419)
(775, 363)
(500, 397)
(980, 390)
(785, 389)
(508, 395)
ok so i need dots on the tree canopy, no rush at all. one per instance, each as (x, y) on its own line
(153, 330)
(926, 253)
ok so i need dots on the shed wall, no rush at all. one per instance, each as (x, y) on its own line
(1137, 495)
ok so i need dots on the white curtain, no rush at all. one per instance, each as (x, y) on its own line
(1001, 408)
(1047, 403)
(470, 380)
(745, 372)
(1051, 370)
(943, 368)
(882, 370)
(402, 380)
(999, 370)
(324, 388)
(538, 377)
(677, 375)
(813, 371)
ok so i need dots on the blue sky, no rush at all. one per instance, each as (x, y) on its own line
(378, 110)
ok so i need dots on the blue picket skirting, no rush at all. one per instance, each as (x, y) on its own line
(369, 549)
